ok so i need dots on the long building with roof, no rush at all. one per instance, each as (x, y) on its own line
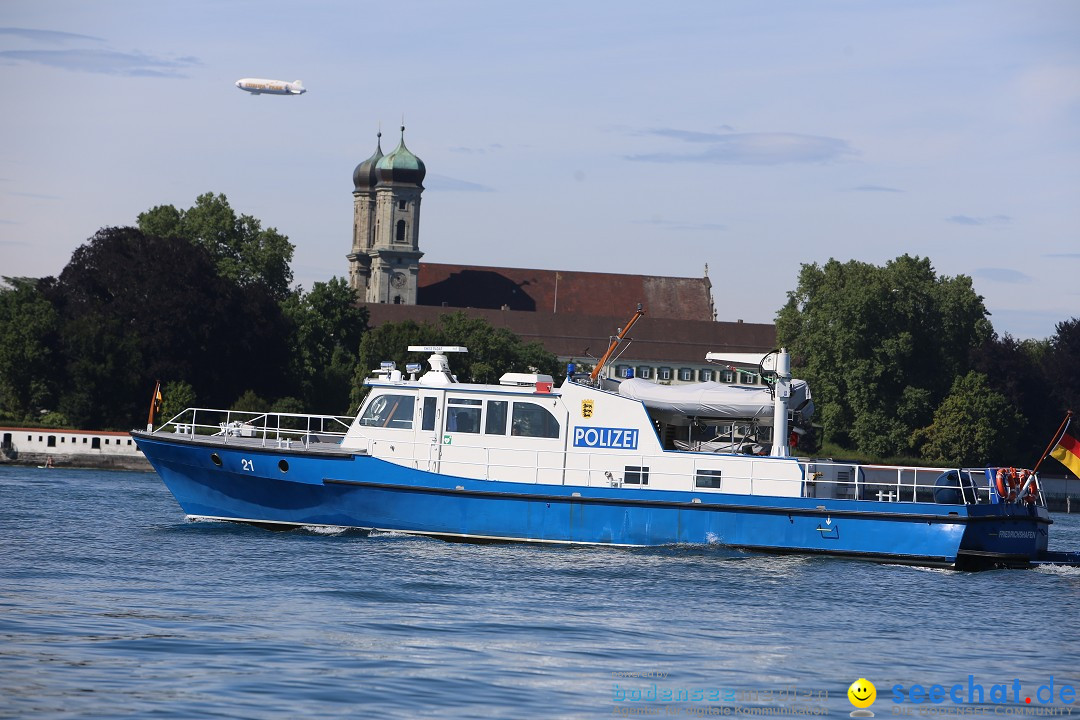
(571, 313)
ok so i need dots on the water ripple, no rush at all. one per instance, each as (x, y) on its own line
(113, 605)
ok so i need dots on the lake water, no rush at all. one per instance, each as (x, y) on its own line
(112, 605)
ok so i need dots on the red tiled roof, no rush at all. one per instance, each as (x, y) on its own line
(653, 338)
(563, 291)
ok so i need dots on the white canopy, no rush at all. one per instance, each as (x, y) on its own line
(713, 399)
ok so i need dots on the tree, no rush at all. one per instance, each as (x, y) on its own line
(29, 364)
(492, 351)
(241, 249)
(974, 426)
(249, 401)
(1013, 368)
(327, 327)
(134, 308)
(880, 346)
(1061, 364)
(176, 396)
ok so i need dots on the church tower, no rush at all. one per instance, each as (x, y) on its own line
(363, 221)
(385, 259)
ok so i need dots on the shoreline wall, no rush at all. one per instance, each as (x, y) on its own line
(94, 449)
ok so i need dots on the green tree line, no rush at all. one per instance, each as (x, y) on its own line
(904, 362)
(200, 299)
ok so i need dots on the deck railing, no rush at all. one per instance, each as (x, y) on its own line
(705, 472)
(278, 428)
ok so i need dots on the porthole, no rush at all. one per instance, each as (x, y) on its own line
(283, 465)
(216, 459)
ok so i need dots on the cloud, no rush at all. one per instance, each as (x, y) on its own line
(1073, 256)
(476, 151)
(1004, 275)
(442, 182)
(876, 188)
(968, 220)
(106, 62)
(675, 225)
(749, 148)
(37, 196)
(50, 37)
(692, 136)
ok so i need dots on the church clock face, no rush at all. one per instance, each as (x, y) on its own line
(398, 280)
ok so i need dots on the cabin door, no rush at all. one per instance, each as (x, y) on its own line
(429, 436)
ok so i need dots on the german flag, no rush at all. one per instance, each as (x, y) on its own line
(1067, 452)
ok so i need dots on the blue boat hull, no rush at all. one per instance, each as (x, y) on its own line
(279, 486)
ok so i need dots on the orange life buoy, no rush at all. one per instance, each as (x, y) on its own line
(1029, 487)
(1007, 482)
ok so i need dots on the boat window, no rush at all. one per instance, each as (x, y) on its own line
(428, 421)
(707, 479)
(463, 419)
(634, 475)
(496, 418)
(532, 420)
(389, 411)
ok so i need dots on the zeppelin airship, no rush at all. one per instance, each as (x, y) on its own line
(258, 86)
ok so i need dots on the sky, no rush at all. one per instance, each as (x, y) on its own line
(606, 136)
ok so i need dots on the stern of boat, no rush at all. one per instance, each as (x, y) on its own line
(1004, 535)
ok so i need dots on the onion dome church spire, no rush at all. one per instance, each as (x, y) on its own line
(401, 166)
(385, 258)
(364, 175)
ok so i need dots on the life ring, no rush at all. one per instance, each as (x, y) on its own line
(1029, 487)
(1007, 482)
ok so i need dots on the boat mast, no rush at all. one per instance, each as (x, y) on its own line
(780, 388)
(615, 343)
(781, 398)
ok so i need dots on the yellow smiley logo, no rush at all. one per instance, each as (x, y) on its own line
(862, 693)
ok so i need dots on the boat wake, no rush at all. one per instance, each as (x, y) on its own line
(201, 519)
(325, 529)
(921, 568)
(392, 534)
(1061, 570)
